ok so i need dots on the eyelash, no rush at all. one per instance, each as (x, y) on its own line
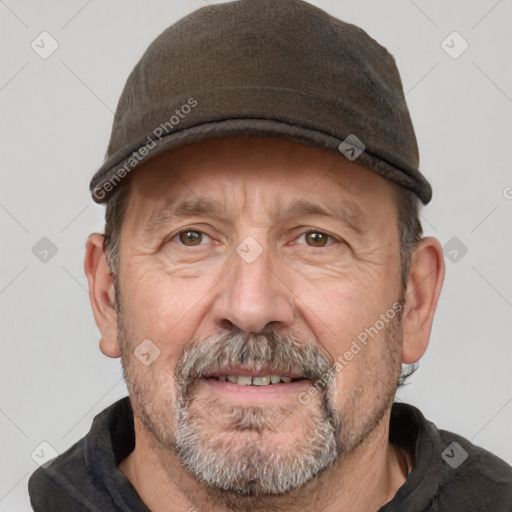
(331, 238)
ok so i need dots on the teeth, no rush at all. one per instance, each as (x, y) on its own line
(263, 380)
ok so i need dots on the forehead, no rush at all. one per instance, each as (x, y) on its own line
(266, 175)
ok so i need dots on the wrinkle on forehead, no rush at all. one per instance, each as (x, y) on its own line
(175, 208)
(270, 179)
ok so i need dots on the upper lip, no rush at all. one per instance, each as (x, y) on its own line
(248, 372)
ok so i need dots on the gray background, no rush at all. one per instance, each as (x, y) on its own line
(55, 120)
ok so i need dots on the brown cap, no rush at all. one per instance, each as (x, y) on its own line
(280, 68)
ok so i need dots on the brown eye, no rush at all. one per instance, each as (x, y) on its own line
(190, 238)
(316, 239)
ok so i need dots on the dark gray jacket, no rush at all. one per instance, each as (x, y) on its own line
(450, 474)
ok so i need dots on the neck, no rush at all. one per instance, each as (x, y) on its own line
(364, 480)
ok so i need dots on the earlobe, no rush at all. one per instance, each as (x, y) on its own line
(101, 294)
(423, 289)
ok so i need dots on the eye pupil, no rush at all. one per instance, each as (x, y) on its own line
(316, 239)
(190, 237)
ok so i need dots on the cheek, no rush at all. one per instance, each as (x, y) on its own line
(351, 325)
(162, 308)
(350, 293)
(339, 310)
(369, 368)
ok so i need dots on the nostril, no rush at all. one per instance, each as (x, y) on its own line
(227, 324)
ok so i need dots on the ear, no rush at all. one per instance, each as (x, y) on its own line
(101, 294)
(423, 289)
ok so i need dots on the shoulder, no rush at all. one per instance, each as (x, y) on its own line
(474, 475)
(449, 472)
(51, 488)
(85, 477)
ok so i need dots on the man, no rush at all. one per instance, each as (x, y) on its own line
(263, 278)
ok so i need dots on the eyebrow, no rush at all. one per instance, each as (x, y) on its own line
(175, 209)
(349, 213)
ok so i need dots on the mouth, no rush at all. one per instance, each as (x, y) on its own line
(263, 380)
(259, 385)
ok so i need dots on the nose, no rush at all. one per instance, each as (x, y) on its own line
(254, 297)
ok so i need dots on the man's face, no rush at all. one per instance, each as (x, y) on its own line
(249, 261)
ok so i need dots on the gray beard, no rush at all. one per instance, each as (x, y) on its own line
(251, 467)
(254, 468)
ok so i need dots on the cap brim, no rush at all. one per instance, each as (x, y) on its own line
(129, 158)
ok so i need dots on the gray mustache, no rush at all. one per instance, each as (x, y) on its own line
(273, 351)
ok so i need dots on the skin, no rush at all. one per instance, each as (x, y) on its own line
(171, 293)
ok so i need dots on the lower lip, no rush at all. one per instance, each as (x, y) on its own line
(266, 393)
